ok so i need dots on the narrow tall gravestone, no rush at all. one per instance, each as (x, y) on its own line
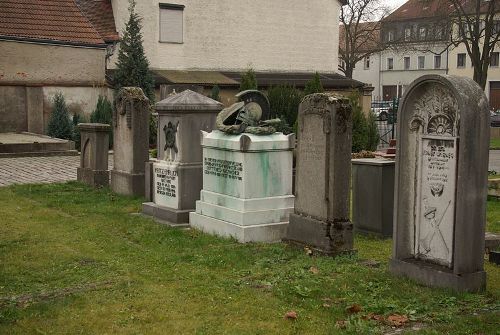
(321, 218)
(130, 141)
(441, 183)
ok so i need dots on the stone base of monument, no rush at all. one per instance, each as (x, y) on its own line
(94, 178)
(173, 189)
(438, 276)
(327, 238)
(172, 217)
(127, 183)
(246, 220)
(247, 186)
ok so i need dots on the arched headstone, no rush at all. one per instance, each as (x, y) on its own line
(441, 183)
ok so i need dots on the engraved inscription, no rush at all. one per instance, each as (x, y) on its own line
(437, 200)
(223, 168)
(166, 182)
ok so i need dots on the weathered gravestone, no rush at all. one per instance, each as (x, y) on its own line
(174, 180)
(93, 168)
(441, 183)
(130, 141)
(323, 173)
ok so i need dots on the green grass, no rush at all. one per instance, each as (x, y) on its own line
(495, 143)
(75, 260)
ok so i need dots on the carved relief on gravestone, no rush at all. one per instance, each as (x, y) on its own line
(170, 148)
(436, 120)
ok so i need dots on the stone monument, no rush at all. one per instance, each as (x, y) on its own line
(174, 180)
(130, 141)
(373, 195)
(247, 174)
(93, 168)
(323, 173)
(441, 183)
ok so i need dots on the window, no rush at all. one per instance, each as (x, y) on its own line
(390, 36)
(496, 26)
(171, 23)
(407, 34)
(421, 62)
(367, 62)
(422, 33)
(494, 59)
(407, 63)
(390, 63)
(437, 61)
(461, 60)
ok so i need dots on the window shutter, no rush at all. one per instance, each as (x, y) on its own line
(171, 25)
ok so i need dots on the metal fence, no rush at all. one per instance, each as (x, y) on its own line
(386, 132)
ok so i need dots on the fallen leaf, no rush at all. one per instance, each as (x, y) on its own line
(326, 299)
(308, 251)
(354, 308)
(314, 270)
(341, 324)
(375, 317)
(327, 305)
(292, 315)
(397, 320)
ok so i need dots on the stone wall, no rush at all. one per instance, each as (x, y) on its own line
(42, 64)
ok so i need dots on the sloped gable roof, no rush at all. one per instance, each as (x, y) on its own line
(100, 14)
(47, 20)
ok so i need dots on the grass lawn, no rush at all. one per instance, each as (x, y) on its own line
(495, 143)
(74, 260)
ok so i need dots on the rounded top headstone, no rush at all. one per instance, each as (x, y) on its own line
(188, 101)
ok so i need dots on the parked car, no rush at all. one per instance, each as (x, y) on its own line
(381, 109)
(495, 118)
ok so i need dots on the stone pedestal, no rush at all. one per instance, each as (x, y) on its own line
(323, 173)
(93, 168)
(441, 183)
(130, 141)
(373, 196)
(174, 179)
(247, 186)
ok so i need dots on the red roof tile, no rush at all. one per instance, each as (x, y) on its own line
(53, 20)
(419, 9)
(100, 14)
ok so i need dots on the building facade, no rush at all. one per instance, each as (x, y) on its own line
(45, 49)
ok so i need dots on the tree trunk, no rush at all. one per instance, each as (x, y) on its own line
(348, 71)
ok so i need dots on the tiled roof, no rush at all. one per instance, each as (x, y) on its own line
(51, 20)
(100, 14)
(419, 9)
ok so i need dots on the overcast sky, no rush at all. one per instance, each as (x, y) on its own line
(393, 4)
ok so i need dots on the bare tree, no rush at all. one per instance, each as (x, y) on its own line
(359, 35)
(477, 26)
(474, 24)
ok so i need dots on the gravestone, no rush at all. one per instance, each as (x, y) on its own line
(93, 168)
(247, 186)
(174, 179)
(441, 183)
(130, 141)
(373, 195)
(323, 173)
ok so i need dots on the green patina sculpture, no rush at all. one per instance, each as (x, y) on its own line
(250, 115)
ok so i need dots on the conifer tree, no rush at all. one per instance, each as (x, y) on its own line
(314, 85)
(60, 125)
(215, 93)
(248, 81)
(133, 66)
